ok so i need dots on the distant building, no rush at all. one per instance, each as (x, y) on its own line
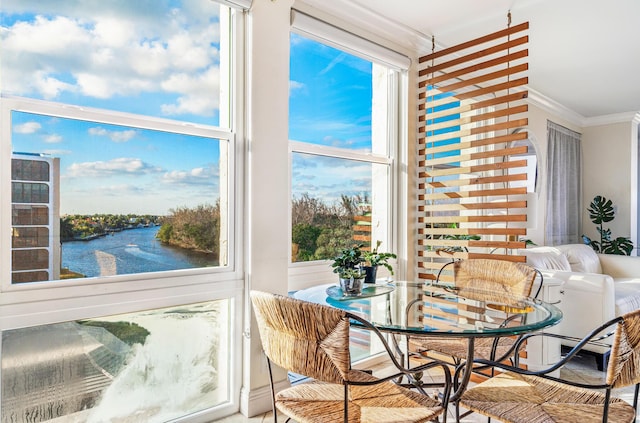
(35, 218)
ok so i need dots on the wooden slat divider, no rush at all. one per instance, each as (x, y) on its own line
(471, 164)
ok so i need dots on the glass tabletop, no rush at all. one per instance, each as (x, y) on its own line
(419, 308)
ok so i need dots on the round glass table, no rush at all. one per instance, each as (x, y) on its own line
(410, 308)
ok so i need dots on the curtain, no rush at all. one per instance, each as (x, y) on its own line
(564, 186)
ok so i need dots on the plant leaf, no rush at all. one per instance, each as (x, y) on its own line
(601, 210)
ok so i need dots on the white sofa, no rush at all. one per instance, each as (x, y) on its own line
(596, 288)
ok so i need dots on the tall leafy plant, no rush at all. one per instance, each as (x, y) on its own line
(601, 211)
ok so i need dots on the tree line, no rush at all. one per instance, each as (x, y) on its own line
(320, 230)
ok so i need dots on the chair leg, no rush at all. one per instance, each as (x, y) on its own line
(602, 360)
(273, 392)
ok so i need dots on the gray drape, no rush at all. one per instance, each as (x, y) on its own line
(564, 186)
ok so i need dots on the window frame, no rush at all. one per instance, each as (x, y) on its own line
(40, 303)
(306, 274)
(9, 104)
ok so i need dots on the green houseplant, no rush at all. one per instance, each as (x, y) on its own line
(375, 258)
(601, 211)
(348, 266)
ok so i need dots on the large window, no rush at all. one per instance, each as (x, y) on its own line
(137, 191)
(343, 137)
(117, 164)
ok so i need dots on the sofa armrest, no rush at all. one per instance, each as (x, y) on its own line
(619, 266)
(587, 300)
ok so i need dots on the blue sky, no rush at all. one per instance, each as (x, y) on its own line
(160, 58)
(330, 105)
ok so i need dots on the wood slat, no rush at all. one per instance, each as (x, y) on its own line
(504, 152)
(433, 81)
(430, 71)
(468, 105)
(433, 148)
(466, 120)
(477, 231)
(487, 90)
(476, 206)
(512, 177)
(509, 218)
(481, 40)
(362, 218)
(473, 194)
(478, 80)
(476, 131)
(433, 172)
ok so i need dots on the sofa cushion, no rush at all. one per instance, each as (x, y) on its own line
(627, 292)
(546, 258)
(581, 258)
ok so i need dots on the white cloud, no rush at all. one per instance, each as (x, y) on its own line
(295, 86)
(119, 166)
(53, 138)
(195, 176)
(27, 128)
(49, 87)
(115, 136)
(118, 48)
(199, 93)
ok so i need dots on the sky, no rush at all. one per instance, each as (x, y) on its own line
(330, 104)
(160, 58)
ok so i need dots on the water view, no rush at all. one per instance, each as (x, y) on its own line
(129, 251)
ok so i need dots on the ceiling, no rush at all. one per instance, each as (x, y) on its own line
(583, 54)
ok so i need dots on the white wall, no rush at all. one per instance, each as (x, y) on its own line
(608, 159)
(267, 253)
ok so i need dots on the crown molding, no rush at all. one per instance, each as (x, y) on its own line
(379, 27)
(625, 117)
(548, 104)
(552, 106)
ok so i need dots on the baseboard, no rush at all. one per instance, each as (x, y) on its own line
(258, 401)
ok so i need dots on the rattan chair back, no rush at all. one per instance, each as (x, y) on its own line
(519, 396)
(313, 340)
(624, 361)
(493, 280)
(302, 337)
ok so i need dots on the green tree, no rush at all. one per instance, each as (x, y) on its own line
(195, 228)
(305, 235)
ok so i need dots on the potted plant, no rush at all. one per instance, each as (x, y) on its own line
(348, 267)
(373, 259)
(601, 211)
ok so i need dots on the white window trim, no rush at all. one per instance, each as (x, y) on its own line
(306, 274)
(52, 301)
(9, 104)
(327, 33)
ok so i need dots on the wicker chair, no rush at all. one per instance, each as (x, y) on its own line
(502, 280)
(518, 395)
(313, 340)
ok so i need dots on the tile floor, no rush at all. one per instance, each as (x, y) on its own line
(582, 368)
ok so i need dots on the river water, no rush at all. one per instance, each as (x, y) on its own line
(129, 251)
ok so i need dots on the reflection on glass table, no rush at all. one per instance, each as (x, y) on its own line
(438, 310)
